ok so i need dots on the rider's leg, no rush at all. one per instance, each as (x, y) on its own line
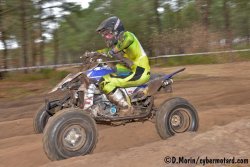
(115, 95)
(110, 83)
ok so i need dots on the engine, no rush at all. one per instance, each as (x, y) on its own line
(103, 107)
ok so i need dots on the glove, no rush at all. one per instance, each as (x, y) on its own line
(89, 57)
(128, 63)
(91, 54)
(119, 56)
(111, 53)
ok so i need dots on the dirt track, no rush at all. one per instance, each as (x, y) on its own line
(221, 94)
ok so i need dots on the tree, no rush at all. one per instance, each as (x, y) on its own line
(41, 31)
(33, 43)
(26, 22)
(56, 46)
(204, 7)
(240, 13)
(227, 22)
(23, 18)
(157, 16)
(3, 34)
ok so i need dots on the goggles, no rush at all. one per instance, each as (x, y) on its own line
(107, 34)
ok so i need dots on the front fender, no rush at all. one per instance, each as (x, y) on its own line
(65, 81)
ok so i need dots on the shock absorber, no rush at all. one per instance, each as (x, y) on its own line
(89, 96)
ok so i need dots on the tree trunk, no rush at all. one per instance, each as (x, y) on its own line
(204, 9)
(149, 42)
(33, 47)
(3, 37)
(157, 16)
(248, 31)
(41, 46)
(227, 23)
(207, 14)
(248, 39)
(206, 23)
(56, 47)
(24, 34)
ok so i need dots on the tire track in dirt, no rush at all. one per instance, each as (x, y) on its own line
(111, 139)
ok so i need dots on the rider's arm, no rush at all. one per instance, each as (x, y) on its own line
(124, 41)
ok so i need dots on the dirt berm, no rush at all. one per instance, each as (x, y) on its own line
(211, 144)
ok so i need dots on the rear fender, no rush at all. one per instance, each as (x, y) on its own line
(154, 86)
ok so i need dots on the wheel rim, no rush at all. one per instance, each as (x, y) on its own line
(180, 120)
(176, 120)
(74, 137)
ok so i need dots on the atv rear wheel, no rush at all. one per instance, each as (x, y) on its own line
(69, 133)
(40, 120)
(176, 115)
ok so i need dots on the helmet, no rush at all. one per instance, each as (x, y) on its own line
(110, 29)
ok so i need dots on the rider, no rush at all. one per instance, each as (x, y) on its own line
(124, 46)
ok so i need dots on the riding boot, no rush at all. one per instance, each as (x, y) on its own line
(118, 98)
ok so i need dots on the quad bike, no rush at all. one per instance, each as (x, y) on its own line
(68, 124)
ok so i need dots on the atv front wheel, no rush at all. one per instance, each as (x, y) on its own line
(69, 133)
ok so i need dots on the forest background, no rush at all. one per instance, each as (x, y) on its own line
(42, 32)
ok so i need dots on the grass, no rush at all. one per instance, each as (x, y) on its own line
(17, 85)
(202, 59)
(52, 75)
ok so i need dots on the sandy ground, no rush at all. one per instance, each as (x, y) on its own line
(220, 93)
